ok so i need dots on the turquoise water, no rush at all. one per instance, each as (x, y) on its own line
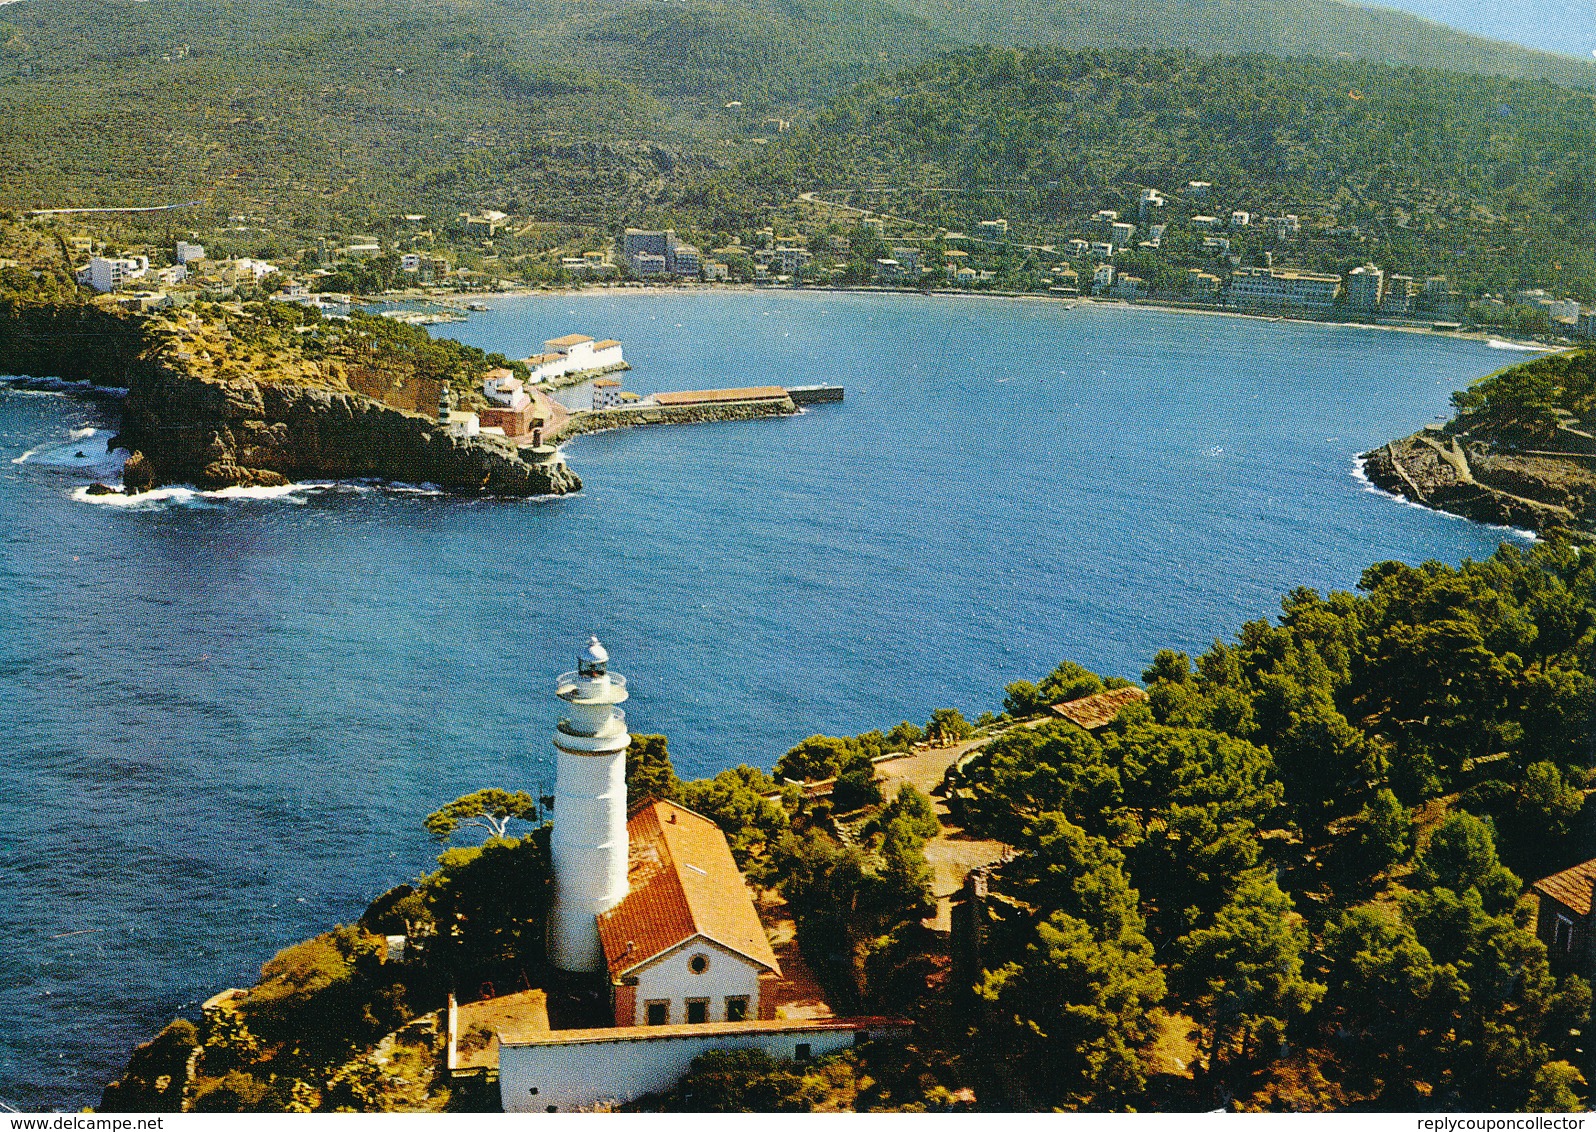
(225, 718)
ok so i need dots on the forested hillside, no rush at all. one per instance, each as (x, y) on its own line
(326, 115)
(1323, 28)
(1486, 179)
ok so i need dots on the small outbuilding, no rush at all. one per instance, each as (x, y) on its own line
(1564, 922)
(1093, 712)
(685, 946)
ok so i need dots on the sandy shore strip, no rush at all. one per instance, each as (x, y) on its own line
(453, 298)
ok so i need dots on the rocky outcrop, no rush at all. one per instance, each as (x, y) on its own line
(246, 428)
(216, 432)
(1476, 479)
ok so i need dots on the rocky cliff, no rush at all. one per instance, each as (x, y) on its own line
(1475, 478)
(245, 397)
(219, 432)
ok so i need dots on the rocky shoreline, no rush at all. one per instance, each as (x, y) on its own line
(1465, 475)
(242, 432)
(234, 416)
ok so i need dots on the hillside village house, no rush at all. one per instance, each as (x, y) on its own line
(509, 406)
(1566, 920)
(107, 273)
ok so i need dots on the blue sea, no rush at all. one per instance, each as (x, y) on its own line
(224, 717)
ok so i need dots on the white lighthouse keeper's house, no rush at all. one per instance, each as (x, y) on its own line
(588, 843)
(651, 903)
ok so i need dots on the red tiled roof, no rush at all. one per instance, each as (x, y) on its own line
(1571, 888)
(682, 883)
(1092, 712)
(568, 340)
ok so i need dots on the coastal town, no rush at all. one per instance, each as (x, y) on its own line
(1195, 247)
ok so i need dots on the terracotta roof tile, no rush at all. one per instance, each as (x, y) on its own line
(1092, 712)
(682, 883)
(568, 340)
(1571, 888)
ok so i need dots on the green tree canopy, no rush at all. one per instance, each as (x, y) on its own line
(1243, 973)
(649, 773)
(490, 811)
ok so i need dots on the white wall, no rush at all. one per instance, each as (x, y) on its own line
(671, 978)
(589, 849)
(580, 359)
(582, 1075)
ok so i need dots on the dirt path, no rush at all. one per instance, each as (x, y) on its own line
(952, 854)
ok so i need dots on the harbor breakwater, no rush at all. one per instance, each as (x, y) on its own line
(633, 416)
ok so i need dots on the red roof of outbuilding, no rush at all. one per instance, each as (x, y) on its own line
(682, 883)
(1571, 888)
(1092, 712)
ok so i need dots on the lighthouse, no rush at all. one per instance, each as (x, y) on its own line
(588, 842)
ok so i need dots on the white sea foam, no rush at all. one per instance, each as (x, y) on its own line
(295, 493)
(162, 496)
(57, 387)
(1498, 344)
(1361, 474)
(85, 452)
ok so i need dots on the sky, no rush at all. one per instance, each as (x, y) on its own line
(1567, 26)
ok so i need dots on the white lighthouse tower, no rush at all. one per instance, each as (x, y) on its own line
(588, 842)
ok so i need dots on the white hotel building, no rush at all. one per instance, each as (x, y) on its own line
(575, 353)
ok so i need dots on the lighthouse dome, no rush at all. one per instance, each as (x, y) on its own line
(595, 653)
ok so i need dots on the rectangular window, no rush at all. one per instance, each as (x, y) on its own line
(697, 1010)
(659, 1013)
(737, 1009)
(1563, 933)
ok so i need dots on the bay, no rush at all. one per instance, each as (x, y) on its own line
(225, 717)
